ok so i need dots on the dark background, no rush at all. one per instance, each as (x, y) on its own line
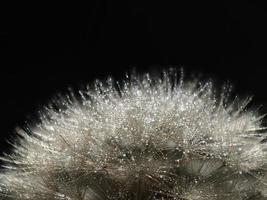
(46, 48)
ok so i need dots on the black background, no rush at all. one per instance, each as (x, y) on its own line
(47, 48)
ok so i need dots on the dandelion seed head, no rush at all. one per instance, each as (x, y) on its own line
(145, 138)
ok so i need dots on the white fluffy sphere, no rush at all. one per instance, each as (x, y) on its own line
(146, 138)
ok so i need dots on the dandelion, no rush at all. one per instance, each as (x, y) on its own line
(145, 138)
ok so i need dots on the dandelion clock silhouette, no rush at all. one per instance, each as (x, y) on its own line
(144, 138)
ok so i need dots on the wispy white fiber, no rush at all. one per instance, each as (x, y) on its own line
(145, 138)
